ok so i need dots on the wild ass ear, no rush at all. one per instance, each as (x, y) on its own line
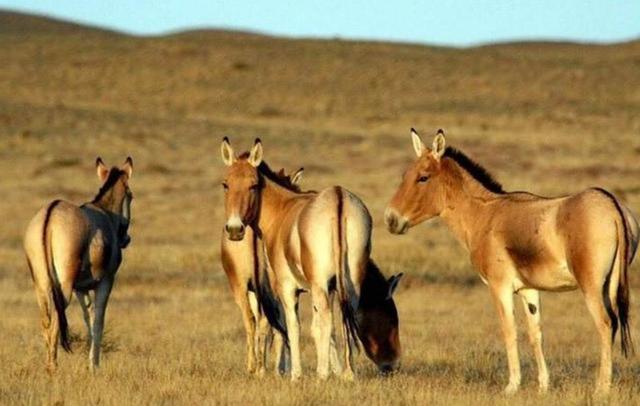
(418, 145)
(393, 284)
(439, 145)
(228, 156)
(127, 167)
(101, 169)
(297, 176)
(255, 156)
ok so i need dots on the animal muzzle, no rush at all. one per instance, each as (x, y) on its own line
(396, 224)
(388, 368)
(235, 229)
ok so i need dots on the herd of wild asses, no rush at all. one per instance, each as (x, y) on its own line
(279, 241)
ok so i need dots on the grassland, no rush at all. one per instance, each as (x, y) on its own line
(549, 118)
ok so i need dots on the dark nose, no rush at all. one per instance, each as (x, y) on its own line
(386, 369)
(235, 233)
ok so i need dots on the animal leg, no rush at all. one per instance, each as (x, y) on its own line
(87, 313)
(503, 298)
(603, 325)
(290, 303)
(242, 300)
(261, 331)
(321, 329)
(531, 303)
(102, 297)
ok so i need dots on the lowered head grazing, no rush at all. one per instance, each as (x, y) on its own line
(377, 319)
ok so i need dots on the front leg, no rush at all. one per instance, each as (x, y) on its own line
(102, 297)
(503, 298)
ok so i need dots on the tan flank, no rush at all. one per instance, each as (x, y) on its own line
(521, 244)
(318, 242)
(79, 248)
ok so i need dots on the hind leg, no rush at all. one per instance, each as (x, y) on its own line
(102, 296)
(50, 329)
(87, 313)
(531, 303)
(321, 329)
(606, 327)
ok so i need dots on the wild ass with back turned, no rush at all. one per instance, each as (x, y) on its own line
(241, 261)
(316, 241)
(521, 243)
(79, 248)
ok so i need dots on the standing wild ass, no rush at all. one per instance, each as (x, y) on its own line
(319, 242)
(71, 248)
(241, 261)
(521, 243)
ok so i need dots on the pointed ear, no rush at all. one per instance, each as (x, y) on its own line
(101, 169)
(228, 157)
(255, 157)
(393, 284)
(418, 146)
(297, 176)
(127, 167)
(439, 145)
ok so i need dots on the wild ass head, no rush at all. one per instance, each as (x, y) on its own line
(242, 185)
(115, 196)
(377, 319)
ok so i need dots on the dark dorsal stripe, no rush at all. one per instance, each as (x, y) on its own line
(474, 169)
(114, 175)
(267, 172)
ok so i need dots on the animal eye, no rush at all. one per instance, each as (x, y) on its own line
(225, 186)
(423, 179)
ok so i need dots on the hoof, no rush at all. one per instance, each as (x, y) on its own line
(348, 376)
(511, 389)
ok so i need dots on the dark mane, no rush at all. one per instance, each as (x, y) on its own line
(114, 175)
(278, 178)
(474, 169)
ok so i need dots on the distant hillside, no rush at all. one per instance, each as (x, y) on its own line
(210, 73)
(19, 23)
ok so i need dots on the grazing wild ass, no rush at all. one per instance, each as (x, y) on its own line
(71, 248)
(319, 242)
(521, 243)
(241, 261)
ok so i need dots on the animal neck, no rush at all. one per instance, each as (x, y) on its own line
(108, 203)
(274, 200)
(465, 203)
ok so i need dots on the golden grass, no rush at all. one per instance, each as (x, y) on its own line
(546, 118)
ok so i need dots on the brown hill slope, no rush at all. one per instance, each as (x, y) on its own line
(225, 74)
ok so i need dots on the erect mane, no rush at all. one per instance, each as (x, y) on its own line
(114, 175)
(474, 169)
(278, 178)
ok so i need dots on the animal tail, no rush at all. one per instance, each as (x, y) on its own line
(270, 304)
(623, 255)
(346, 295)
(59, 301)
(622, 298)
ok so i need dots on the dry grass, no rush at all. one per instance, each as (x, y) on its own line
(543, 117)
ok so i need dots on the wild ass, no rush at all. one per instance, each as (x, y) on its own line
(71, 248)
(241, 261)
(319, 242)
(521, 243)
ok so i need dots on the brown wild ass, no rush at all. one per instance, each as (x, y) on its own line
(71, 248)
(318, 242)
(521, 243)
(241, 260)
